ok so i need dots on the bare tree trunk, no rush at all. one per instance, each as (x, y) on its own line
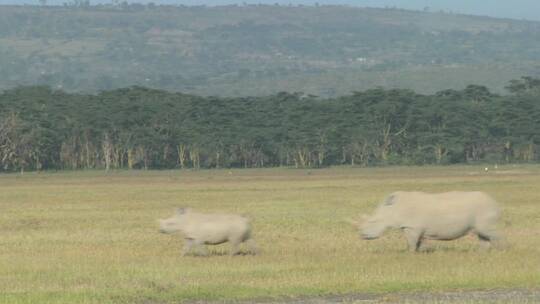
(87, 153)
(122, 157)
(288, 159)
(38, 163)
(166, 153)
(387, 138)
(507, 151)
(194, 156)
(116, 157)
(302, 158)
(130, 158)
(143, 155)
(320, 158)
(244, 153)
(529, 152)
(364, 154)
(261, 158)
(107, 149)
(387, 141)
(440, 153)
(181, 148)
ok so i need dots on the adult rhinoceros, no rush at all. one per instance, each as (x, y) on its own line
(437, 216)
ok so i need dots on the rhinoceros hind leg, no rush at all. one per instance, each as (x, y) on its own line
(234, 248)
(485, 242)
(487, 235)
(487, 238)
(252, 246)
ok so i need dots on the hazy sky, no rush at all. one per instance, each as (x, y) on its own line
(518, 9)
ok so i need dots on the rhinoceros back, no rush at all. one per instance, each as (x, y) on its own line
(445, 215)
(215, 228)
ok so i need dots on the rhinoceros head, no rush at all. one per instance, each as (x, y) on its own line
(374, 226)
(174, 223)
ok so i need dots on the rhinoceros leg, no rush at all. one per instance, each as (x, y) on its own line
(252, 246)
(234, 247)
(414, 238)
(187, 246)
(202, 249)
(487, 238)
(485, 242)
(199, 246)
(486, 229)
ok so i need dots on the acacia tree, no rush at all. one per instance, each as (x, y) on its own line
(17, 151)
(143, 128)
(386, 112)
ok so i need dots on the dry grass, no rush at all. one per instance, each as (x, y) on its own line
(91, 237)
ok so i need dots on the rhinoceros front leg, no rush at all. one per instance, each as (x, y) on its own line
(187, 246)
(196, 245)
(414, 238)
(201, 248)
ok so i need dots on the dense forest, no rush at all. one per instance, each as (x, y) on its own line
(141, 128)
(260, 50)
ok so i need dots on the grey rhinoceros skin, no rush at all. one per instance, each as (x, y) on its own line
(436, 216)
(201, 229)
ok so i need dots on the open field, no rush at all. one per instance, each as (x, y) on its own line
(91, 237)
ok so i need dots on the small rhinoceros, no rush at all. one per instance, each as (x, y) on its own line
(209, 229)
(439, 216)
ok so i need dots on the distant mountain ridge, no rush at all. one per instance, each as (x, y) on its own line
(516, 9)
(260, 49)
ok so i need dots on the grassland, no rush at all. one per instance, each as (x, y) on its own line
(91, 237)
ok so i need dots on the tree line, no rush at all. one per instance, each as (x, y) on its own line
(142, 128)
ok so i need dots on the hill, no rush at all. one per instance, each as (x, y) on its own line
(260, 49)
